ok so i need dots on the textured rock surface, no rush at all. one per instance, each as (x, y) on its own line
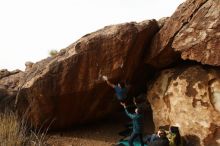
(192, 32)
(68, 88)
(188, 97)
(9, 84)
(4, 73)
(162, 21)
(199, 39)
(28, 65)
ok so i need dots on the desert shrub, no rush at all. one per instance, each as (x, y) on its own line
(11, 131)
(53, 53)
(15, 132)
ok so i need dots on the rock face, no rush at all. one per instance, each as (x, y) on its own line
(67, 89)
(192, 32)
(188, 97)
(9, 83)
(199, 39)
(28, 65)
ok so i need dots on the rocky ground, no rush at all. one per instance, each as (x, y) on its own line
(102, 133)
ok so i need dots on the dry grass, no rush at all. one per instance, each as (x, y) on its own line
(14, 132)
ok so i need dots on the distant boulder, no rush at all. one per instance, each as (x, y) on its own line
(4, 73)
(28, 65)
(9, 86)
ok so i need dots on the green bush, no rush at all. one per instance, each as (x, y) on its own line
(53, 53)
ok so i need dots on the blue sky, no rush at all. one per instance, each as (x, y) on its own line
(30, 28)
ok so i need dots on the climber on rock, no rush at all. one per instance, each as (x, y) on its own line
(120, 89)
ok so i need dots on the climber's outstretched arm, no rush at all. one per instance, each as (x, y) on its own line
(107, 81)
(110, 84)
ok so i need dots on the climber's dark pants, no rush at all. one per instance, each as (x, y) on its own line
(132, 138)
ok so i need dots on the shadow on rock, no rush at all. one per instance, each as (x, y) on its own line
(191, 140)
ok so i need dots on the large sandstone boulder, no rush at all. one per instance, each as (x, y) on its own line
(188, 97)
(199, 39)
(9, 86)
(192, 32)
(67, 89)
